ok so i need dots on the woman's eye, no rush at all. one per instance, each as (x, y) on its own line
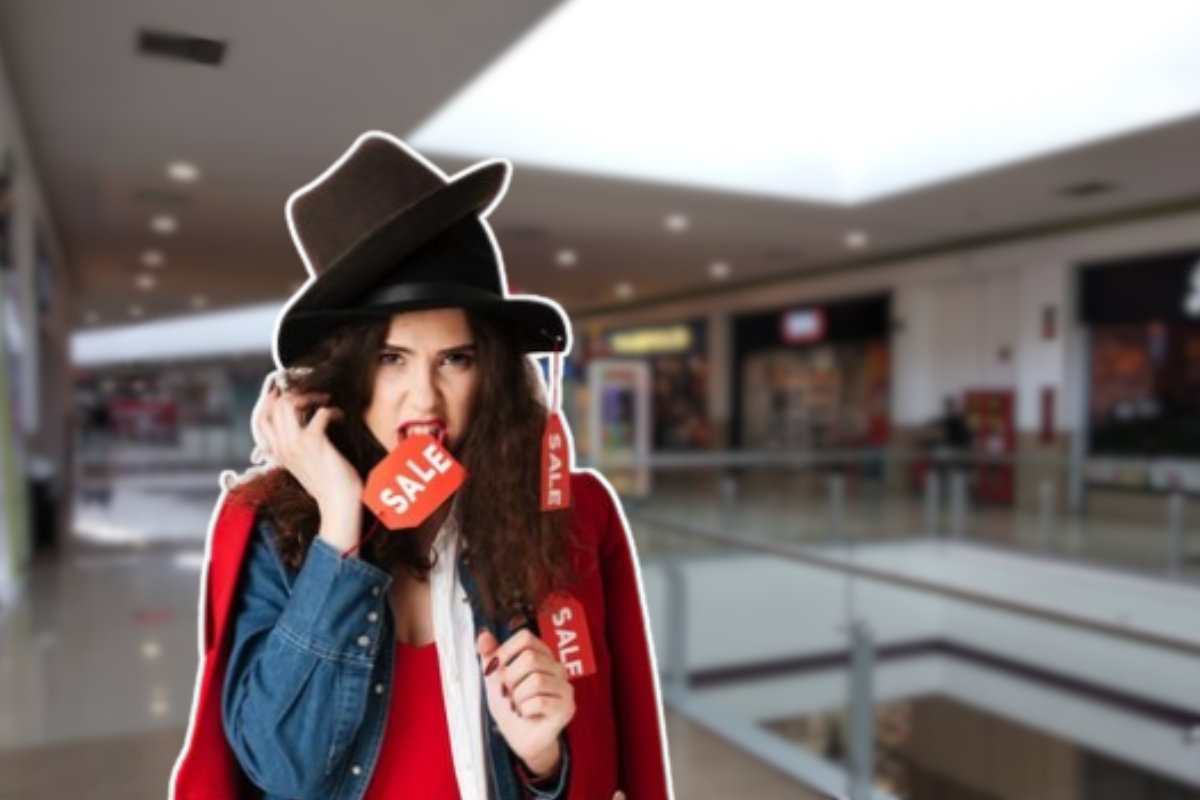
(460, 360)
(390, 358)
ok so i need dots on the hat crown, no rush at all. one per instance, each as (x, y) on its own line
(372, 183)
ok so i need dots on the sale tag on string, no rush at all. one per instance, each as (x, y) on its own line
(412, 482)
(556, 479)
(563, 627)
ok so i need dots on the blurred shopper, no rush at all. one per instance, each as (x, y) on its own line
(951, 431)
(496, 649)
(945, 444)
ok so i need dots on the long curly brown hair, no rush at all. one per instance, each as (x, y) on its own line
(517, 553)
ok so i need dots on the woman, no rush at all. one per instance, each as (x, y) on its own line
(344, 660)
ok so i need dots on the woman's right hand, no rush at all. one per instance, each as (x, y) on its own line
(305, 451)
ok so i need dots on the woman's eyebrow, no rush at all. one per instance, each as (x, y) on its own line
(408, 351)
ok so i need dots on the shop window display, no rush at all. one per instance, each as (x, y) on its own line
(1145, 389)
(826, 396)
(677, 357)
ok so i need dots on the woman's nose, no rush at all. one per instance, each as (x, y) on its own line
(423, 394)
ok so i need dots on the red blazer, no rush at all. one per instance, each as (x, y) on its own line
(617, 737)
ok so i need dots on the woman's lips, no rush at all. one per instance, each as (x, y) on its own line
(435, 428)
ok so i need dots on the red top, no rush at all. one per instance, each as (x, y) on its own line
(415, 758)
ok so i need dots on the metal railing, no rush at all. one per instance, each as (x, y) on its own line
(1026, 503)
(854, 780)
(820, 509)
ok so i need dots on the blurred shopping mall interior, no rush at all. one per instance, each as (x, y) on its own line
(886, 330)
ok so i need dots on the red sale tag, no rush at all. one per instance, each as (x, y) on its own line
(563, 626)
(412, 482)
(556, 480)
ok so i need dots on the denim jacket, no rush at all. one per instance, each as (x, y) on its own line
(310, 676)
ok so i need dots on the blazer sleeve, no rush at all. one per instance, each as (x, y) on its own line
(641, 732)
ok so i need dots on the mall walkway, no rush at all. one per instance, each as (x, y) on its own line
(98, 659)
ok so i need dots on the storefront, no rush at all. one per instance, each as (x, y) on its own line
(678, 362)
(1143, 382)
(813, 377)
(185, 413)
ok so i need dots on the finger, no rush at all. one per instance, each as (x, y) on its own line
(287, 413)
(530, 667)
(321, 419)
(538, 684)
(540, 707)
(520, 642)
(486, 646)
(285, 432)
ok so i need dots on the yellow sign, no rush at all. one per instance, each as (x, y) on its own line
(674, 339)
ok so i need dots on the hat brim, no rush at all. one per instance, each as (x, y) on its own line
(540, 326)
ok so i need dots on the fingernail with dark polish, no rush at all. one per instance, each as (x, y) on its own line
(503, 690)
(491, 667)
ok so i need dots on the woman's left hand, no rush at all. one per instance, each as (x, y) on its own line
(529, 696)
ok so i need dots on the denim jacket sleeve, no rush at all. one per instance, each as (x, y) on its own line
(304, 645)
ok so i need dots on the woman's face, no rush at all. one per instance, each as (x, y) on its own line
(425, 378)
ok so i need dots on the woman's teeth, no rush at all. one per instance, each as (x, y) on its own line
(421, 430)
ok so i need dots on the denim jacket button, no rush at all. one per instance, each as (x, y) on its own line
(356, 770)
(375, 591)
(379, 688)
(364, 641)
(372, 617)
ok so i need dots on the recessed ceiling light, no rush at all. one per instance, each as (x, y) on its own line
(567, 258)
(146, 281)
(153, 259)
(136, 311)
(91, 318)
(164, 223)
(857, 240)
(151, 650)
(624, 290)
(676, 223)
(199, 301)
(719, 270)
(159, 707)
(182, 171)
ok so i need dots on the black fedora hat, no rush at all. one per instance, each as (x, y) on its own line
(384, 231)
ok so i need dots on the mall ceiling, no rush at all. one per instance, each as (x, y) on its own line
(301, 78)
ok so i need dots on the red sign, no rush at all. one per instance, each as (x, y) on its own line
(563, 626)
(556, 481)
(412, 482)
(990, 415)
